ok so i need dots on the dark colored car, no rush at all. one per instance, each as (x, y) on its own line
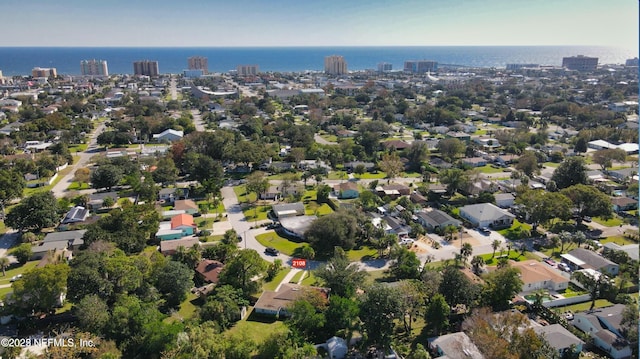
(271, 251)
(484, 230)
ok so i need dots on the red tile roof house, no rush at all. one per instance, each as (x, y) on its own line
(180, 226)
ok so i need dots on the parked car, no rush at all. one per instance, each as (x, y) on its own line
(484, 230)
(568, 315)
(16, 277)
(564, 267)
(549, 261)
(586, 219)
(271, 251)
(406, 241)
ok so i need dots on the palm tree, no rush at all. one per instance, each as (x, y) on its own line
(477, 263)
(509, 247)
(465, 251)
(4, 263)
(495, 245)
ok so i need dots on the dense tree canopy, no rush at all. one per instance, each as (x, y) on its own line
(570, 172)
(34, 213)
(338, 229)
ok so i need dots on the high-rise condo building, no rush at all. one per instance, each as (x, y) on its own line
(198, 63)
(246, 70)
(146, 68)
(631, 62)
(94, 68)
(44, 72)
(335, 65)
(580, 63)
(420, 67)
(384, 67)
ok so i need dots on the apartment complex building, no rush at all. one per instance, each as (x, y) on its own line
(246, 70)
(198, 63)
(146, 68)
(580, 63)
(420, 67)
(94, 68)
(335, 65)
(44, 72)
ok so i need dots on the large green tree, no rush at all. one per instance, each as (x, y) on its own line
(456, 287)
(588, 201)
(406, 264)
(606, 157)
(437, 313)
(11, 185)
(541, 207)
(500, 287)
(241, 269)
(571, 171)
(338, 229)
(34, 213)
(106, 176)
(173, 281)
(93, 314)
(342, 276)
(379, 309)
(41, 289)
(450, 148)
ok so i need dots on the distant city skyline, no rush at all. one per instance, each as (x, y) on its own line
(164, 23)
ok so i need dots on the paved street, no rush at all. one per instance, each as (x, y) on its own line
(84, 159)
(197, 121)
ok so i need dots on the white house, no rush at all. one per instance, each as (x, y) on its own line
(604, 327)
(168, 135)
(559, 338)
(537, 275)
(487, 215)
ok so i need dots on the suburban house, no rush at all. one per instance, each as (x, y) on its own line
(474, 161)
(435, 219)
(351, 166)
(439, 163)
(487, 215)
(630, 249)
(395, 144)
(288, 210)
(454, 345)
(418, 198)
(168, 195)
(271, 194)
(504, 200)
(209, 270)
(96, 200)
(604, 327)
(581, 258)
(624, 204)
(296, 226)
(537, 275)
(346, 190)
(504, 160)
(336, 347)
(559, 338)
(186, 205)
(402, 189)
(396, 226)
(55, 241)
(76, 214)
(624, 174)
(168, 135)
(275, 303)
(170, 247)
(181, 225)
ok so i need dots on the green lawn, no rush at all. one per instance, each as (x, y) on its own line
(219, 209)
(314, 208)
(17, 270)
(5, 291)
(621, 240)
(311, 279)
(600, 303)
(204, 223)
(551, 164)
(364, 253)
(297, 277)
(489, 169)
(256, 213)
(187, 309)
(77, 186)
(29, 191)
(243, 196)
(81, 147)
(276, 280)
(517, 230)
(3, 228)
(257, 328)
(613, 222)
(514, 255)
(330, 138)
(368, 175)
(282, 244)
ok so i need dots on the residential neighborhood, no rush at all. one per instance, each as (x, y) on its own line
(317, 215)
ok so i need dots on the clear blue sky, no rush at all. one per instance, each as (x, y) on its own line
(318, 22)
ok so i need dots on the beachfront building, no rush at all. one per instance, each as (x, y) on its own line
(246, 70)
(420, 67)
(335, 65)
(94, 68)
(198, 63)
(44, 72)
(385, 67)
(145, 68)
(580, 63)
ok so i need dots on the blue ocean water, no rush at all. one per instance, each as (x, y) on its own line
(20, 60)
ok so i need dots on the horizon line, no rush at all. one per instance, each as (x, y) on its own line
(296, 46)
